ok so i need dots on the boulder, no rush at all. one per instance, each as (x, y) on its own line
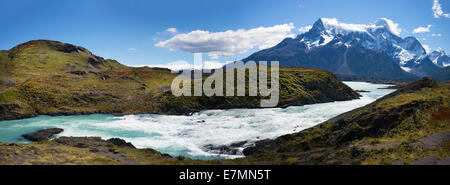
(7, 81)
(43, 135)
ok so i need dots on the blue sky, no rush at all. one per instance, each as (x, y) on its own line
(129, 31)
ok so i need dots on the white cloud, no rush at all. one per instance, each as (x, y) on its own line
(427, 48)
(336, 23)
(437, 10)
(391, 25)
(421, 29)
(436, 35)
(172, 30)
(381, 22)
(131, 49)
(304, 29)
(181, 64)
(228, 43)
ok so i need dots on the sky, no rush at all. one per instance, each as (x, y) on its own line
(142, 32)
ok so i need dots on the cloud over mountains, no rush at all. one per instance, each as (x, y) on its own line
(228, 43)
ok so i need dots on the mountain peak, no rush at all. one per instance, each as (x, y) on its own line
(389, 25)
(336, 26)
(319, 23)
(382, 22)
(439, 51)
(439, 58)
(318, 26)
(383, 34)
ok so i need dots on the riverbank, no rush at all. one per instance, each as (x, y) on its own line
(209, 134)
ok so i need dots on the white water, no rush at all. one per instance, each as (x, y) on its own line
(186, 135)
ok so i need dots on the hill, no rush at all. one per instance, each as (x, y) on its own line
(54, 78)
(409, 126)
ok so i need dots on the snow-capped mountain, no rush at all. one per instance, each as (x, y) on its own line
(368, 50)
(380, 35)
(439, 58)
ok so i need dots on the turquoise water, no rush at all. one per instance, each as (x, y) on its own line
(187, 135)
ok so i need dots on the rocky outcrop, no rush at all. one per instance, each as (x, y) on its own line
(82, 141)
(43, 135)
(120, 142)
(12, 111)
(413, 87)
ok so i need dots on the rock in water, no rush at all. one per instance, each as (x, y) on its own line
(232, 149)
(42, 135)
(362, 91)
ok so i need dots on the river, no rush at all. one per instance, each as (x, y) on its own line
(188, 135)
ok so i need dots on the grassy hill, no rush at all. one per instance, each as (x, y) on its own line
(409, 126)
(54, 78)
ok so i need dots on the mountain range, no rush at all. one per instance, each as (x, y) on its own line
(354, 50)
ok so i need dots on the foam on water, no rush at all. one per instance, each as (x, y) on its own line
(187, 135)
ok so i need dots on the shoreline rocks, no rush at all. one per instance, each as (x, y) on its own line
(120, 142)
(231, 149)
(362, 91)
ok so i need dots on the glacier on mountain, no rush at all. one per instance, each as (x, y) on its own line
(382, 35)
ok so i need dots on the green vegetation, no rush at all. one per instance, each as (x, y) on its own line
(409, 126)
(54, 78)
(92, 151)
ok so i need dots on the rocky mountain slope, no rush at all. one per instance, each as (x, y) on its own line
(370, 51)
(440, 58)
(408, 126)
(54, 78)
